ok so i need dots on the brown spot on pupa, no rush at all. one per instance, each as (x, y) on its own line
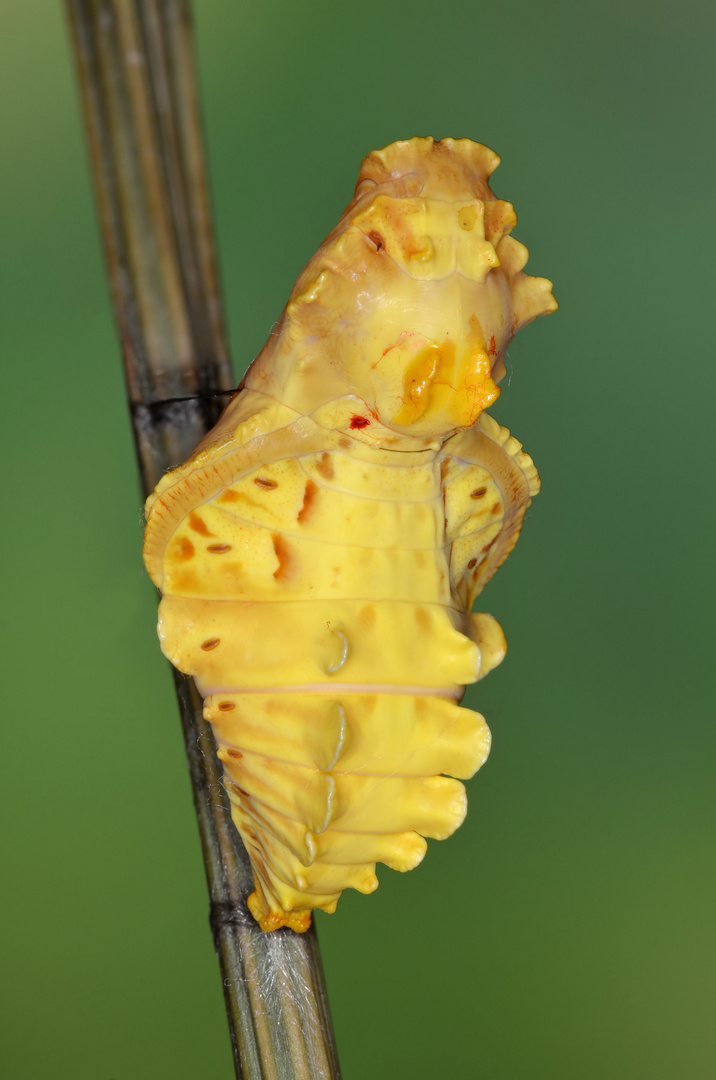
(344, 443)
(239, 790)
(198, 524)
(235, 754)
(422, 618)
(366, 617)
(496, 508)
(472, 562)
(488, 546)
(359, 421)
(219, 549)
(265, 482)
(283, 554)
(309, 498)
(227, 706)
(210, 643)
(228, 496)
(493, 346)
(419, 558)
(184, 548)
(478, 493)
(325, 466)
(377, 239)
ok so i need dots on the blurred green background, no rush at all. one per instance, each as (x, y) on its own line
(566, 931)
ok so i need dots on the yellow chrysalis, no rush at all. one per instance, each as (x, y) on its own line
(320, 552)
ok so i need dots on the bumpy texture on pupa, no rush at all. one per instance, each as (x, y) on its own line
(320, 552)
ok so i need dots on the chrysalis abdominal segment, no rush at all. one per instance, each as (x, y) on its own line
(320, 552)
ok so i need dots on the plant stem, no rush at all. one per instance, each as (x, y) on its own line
(137, 79)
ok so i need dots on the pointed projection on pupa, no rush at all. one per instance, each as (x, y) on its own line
(320, 552)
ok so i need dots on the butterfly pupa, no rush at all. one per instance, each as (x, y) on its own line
(320, 552)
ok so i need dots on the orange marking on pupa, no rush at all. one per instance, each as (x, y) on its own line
(309, 498)
(198, 524)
